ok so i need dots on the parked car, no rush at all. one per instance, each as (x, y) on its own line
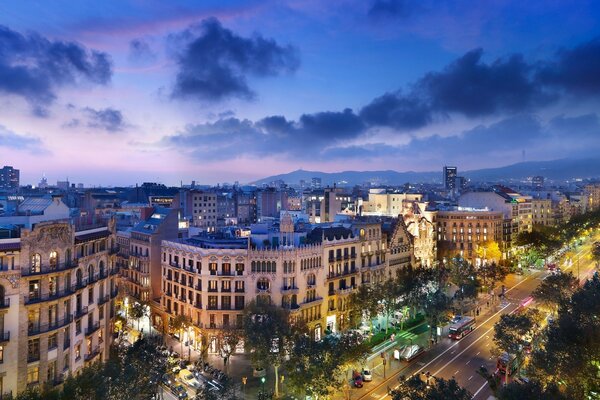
(180, 392)
(189, 379)
(357, 379)
(358, 382)
(366, 375)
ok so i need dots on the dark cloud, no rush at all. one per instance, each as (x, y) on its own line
(581, 126)
(34, 67)
(214, 62)
(397, 111)
(474, 88)
(10, 139)
(575, 71)
(139, 50)
(391, 8)
(108, 119)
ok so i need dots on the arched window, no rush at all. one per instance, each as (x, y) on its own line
(90, 272)
(53, 260)
(79, 277)
(263, 284)
(311, 279)
(36, 263)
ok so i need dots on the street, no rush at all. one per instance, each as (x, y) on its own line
(461, 359)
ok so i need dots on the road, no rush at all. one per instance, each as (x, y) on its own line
(461, 359)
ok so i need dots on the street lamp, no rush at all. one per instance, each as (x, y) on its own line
(262, 381)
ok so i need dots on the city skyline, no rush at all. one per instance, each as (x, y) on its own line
(123, 93)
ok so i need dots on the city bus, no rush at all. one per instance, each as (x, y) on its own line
(461, 328)
(507, 363)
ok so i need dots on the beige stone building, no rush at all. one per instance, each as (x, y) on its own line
(460, 232)
(211, 280)
(57, 285)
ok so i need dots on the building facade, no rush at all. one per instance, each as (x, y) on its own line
(57, 290)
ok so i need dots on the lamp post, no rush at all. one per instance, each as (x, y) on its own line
(262, 381)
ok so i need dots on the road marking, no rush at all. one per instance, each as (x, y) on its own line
(477, 353)
(479, 390)
(468, 362)
(453, 352)
(445, 351)
(471, 377)
(455, 372)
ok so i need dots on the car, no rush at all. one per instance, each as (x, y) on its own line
(410, 352)
(358, 382)
(366, 375)
(189, 379)
(167, 380)
(180, 392)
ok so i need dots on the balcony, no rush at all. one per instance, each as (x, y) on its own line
(344, 291)
(103, 299)
(33, 357)
(341, 274)
(240, 290)
(198, 305)
(91, 329)
(80, 312)
(263, 291)
(289, 290)
(5, 302)
(226, 273)
(82, 283)
(48, 296)
(311, 302)
(49, 269)
(36, 329)
(91, 355)
(4, 337)
(114, 292)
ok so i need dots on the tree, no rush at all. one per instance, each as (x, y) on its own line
(489, 250)
(435, 307)
(462, 274)
(138, 311)
(316, 368)
(390, 299)
(414, 388)
(180, 323)
(364, 304)
(228, 338)
(267, 333)
(571, 353)
(532, 390)
(555, 290)
(510, 331)
(490, 274)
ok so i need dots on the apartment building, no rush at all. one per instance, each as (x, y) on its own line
(543, 212)
(57, 286)
(460, 232)
(211, 279)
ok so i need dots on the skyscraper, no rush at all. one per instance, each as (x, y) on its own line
(9, 178)
(450, 174)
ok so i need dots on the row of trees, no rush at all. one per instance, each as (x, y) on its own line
(129, 374)
(565, 363)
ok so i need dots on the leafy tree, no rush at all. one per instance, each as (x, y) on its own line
(364, 303)
(489, 250)
(436, 307)
(316, 368)
(267, 333)
(512, 329)
(179, 324)
(138, 311)
(532, 390)
(555, 290)
(414, 388)
(228, 338)
(390, 299)
(571, 353)
(462, 274)
(490, 274)
(544, 239)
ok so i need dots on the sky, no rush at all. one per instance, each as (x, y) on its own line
(123, 92)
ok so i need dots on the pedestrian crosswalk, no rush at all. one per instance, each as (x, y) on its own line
(406, 335)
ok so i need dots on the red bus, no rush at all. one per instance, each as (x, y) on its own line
(461, 328)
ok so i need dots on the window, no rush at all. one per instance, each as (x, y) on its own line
(101, 312)
(34, 290)
(52, 341)
(78, 327)
(36, 263)
(226, 303)
(239, 268)
(33, 350)
(33, 375)
(91, 295)
(212, 286)
(239, 286)
(78, 351)
(212, 267)
(66, 362)
(1, 354)
(52, 371)
(212, 302)
(226, 286)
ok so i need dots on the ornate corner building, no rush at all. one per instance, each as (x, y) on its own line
(57, 285)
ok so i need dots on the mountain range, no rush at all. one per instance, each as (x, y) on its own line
(555, 170)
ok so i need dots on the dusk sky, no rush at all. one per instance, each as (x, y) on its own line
(116, 92)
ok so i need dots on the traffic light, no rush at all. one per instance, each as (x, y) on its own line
(263, 379)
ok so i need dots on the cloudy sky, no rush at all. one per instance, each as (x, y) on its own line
(117, 92)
